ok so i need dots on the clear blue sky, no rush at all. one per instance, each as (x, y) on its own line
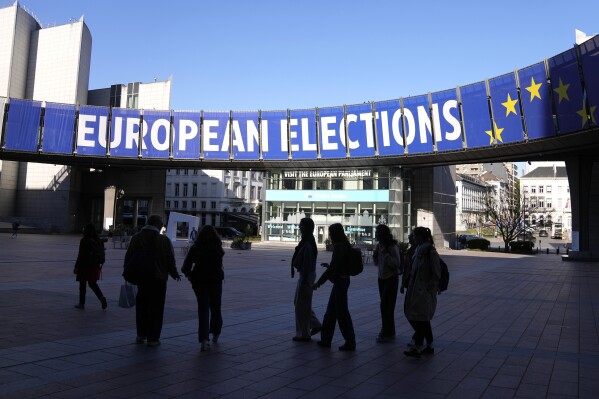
(248, 55)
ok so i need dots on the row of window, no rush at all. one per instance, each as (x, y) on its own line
(237, 191)
(544, 189)
(194, 204)
(238, 173)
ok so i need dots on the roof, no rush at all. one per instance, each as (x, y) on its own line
(547, 172)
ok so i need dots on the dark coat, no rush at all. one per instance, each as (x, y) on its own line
(204, 263)
(86, 268)
(339, 263)
(421, 298)
(164, 253)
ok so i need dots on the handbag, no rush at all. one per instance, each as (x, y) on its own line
(127, 296)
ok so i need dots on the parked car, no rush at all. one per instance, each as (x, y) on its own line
(525, 236)
(543, 233)
(228, 232)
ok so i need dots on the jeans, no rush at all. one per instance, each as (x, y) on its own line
(337, 310)
(94, 287)
(422, 330)
(305, 318)
(149, 308)
(210, 319)
(388, 294)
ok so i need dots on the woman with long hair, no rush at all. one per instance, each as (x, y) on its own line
(87, 266)
(386, 258)
(203, 266)
(421, 296)
(337, 308)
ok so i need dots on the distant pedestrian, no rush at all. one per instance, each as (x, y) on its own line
(337, 308)
(88, 266)
(203, 266)
(387, 258)
(304, 261)
(151, 292)
(421, 296)
(193, 235)
(15, 229)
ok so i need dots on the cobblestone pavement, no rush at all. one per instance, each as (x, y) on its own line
(509, 326)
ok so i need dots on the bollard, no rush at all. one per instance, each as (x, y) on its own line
(547, 251)
(557, 251)
(567, 251)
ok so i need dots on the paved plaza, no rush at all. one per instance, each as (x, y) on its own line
(509, 326)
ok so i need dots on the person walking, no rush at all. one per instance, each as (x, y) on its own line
(88, 266)
(193, 235)
(337, 308)
(15, 229)
(386, 257)
(421, 295)
(304, 261)
(151, 292)
(203, 266)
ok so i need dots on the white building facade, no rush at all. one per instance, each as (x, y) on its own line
(470, 201)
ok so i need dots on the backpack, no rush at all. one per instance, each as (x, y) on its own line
(98, 252)
(444, 280)
(355, 266)
(140, 266)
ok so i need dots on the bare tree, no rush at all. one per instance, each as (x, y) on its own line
(508, 217)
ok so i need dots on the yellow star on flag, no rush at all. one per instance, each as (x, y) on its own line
(593, 114)
(497, 131)
(534, 89)
(585, 116)
(510, 105)
(562, 90)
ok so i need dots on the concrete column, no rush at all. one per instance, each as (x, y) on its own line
(109, 203)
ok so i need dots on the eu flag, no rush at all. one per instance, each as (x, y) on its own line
(506, 109)
(567, 92)
(536, 101)
(475, 113)
(59, 128)
(446, 120)
(589, 58)
(417, 120)
(22, 126)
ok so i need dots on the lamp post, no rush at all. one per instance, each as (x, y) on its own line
(119, 193)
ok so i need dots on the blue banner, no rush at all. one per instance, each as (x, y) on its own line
(275, 143)
(59, 128)
(360, 130)
(389, 128)
(475, 111)
(446, 120)
(215, 135)
(156, 134)
(186, 141)
(536, 101)
(567, 92)
(302, 134)
(589, 58)
(124, 132)
(332, 133)
(22, 126)
(92, 128)
(505, 104)
(245, 135)
(418, 124)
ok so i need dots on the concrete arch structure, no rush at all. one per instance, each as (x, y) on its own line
(545, 111)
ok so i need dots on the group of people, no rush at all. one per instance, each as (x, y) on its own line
(417, 274)
(420, 273)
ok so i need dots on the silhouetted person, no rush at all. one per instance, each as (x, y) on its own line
(15, 229)
(88, 267)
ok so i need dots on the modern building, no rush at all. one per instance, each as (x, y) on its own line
(42, 64)
(545, 186)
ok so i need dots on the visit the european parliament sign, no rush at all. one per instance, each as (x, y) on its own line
(554, 97)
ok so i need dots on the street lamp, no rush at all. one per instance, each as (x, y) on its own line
(119, 193)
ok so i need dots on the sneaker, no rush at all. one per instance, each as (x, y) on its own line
(205, 346)
(153, 344)
(324, 344)
(429, 350)
(412, 353)
(80, 306)
(215, 338)
(347, 347)
(104, 303)
(140, 340)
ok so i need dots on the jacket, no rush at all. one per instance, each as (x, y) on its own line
(339, 263)
(164, 254)
(304, 261)
(421, 298)
(204, 263)
(387, 260)
(85, 266)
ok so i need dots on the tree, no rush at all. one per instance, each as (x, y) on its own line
(508, 217)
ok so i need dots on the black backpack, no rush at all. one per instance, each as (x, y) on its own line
(98, 252)
(444, 280)
(355, 265)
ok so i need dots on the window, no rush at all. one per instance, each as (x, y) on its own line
(525, 189)
(308, 184)
(168, 204)
(177, 171)
(242, 191)
(541, 189)
(184, 204)
(194, 204)
(541, 203)
(194, 189)
(549, 189)
(252, 192)
(203, 204)
(195, 171)
(337, 184)
(185, 189)
(186, 171)
(213, 204)
(204, 189)
(533, 189)
(176, 205)
(169, 187)
(176, 189)
(559, 203)
(548, 202)
(259, 197)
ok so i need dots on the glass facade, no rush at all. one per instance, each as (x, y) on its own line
(358, 199)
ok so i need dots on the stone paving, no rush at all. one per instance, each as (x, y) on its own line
(510, 326)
